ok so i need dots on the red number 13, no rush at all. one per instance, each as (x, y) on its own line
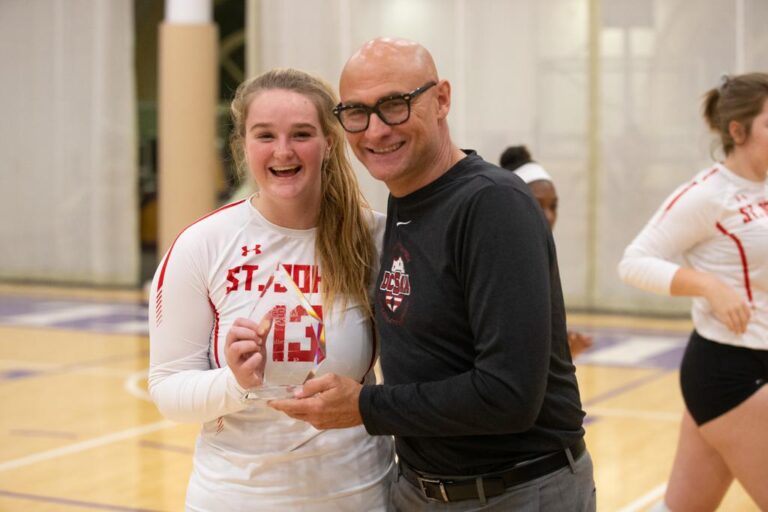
(295, 353)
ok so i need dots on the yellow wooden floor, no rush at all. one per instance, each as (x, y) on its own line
(77, 432)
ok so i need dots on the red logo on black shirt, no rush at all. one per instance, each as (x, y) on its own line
(396, 285)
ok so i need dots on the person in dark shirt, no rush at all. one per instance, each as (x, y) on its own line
(479, 389)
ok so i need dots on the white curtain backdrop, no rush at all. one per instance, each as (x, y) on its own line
(68, 164)
(520, 74)
(520, 71)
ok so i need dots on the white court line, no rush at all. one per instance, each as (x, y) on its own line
(635, 414)
(128, 327)
(133, 328)
(650, 497)
(85, 445)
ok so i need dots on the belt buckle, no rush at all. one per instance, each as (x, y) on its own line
(435, 481)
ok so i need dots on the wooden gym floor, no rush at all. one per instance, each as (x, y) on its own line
(78, 433)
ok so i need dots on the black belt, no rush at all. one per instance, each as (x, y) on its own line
(447, 489)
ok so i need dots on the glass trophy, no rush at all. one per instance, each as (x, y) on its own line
(295, 345)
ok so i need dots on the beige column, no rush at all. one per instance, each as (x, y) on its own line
(188, 91)
(594, 148)
(252, 38)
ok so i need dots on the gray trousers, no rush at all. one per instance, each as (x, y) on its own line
(565, 490)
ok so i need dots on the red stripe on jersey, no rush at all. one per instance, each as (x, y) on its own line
(710, 173)
(744, 264)
(215, 333)
(159, 307)
(168, 256)
(686, 189)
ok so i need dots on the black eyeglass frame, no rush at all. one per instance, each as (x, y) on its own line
(408, 97)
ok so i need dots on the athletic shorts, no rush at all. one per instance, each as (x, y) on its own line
(715, 377)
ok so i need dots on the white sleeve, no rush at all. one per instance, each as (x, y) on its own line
(182, 382)
(686, 218)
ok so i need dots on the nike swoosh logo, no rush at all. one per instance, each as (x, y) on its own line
(402, 223)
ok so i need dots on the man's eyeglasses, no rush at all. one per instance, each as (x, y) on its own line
(392, 110)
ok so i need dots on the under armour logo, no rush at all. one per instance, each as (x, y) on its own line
(256, 249)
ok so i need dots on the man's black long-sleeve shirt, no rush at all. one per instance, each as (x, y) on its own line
(471, 320)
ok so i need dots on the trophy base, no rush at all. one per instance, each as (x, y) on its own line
(273, 392)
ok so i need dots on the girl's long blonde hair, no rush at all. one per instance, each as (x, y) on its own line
(344, 243)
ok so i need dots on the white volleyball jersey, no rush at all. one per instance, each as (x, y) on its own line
(217, 270)
(718, 224)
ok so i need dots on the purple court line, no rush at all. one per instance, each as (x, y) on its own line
(669, 359)
(74, 503)
(103, 320)
(122, 312)
(632, 331)
(13, 304)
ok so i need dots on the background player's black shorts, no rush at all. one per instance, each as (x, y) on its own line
(716, 377)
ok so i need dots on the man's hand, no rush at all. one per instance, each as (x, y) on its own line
(328, 401)
(246, 352)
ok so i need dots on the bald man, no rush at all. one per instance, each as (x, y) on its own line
(479, 388)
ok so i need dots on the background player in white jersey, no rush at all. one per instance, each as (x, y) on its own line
(310, 221)
(518, 159)
(718, 223)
